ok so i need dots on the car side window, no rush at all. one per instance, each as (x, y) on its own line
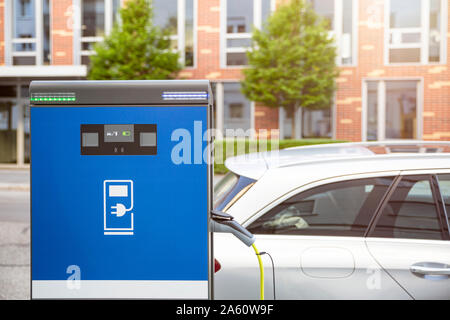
(410, 212)
(444, 186)
(335, 209)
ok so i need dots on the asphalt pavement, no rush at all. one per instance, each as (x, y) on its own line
(14, 234)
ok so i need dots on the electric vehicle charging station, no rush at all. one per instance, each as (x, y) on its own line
(121, 180)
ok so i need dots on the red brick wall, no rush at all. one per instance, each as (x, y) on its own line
(62, 32)
(436, 80)
(265, 118)
(436, 84)
(208, 46)
(2, 33)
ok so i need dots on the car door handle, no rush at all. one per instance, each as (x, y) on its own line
(430, 269)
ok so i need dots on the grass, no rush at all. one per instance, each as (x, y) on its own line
(230, 148)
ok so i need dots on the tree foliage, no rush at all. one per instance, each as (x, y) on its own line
(135, 49)
(292, 60)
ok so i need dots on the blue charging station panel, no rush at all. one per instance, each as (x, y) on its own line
(119, 195)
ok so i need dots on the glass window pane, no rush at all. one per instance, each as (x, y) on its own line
(165, 15)
(325, 8)
(46, 44)
(8, 91)
(26, 115)
(239, 43)
(8, 118)
(401, 109)
(411, 212)
(237, 59)
(24, 25)
(86, 60)
(24, 61)
(405, 14)
(265, 10)
(224, 186)
(435, 31)
(444, 186)
(189, 34)
(116, 10)
(93, 22)
(236, 108)
(336, 209)
(316, 123)
(406, 55)
(347, 32)
(410, 37)
(239, 16)
(372, 110)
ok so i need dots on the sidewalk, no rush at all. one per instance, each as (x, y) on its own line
(14, 179)
(14, 233)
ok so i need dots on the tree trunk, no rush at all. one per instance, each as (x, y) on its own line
(293, 125)
(294, 109)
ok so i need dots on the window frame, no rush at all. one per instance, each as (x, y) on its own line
(38, 40)
(436, 196)
(424, 33)
(314, 184)
(381, 112)
(337, 32)
(79, 40)
(109, 18)
(181, 30)
(225, 36)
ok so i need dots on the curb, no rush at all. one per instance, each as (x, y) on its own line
(14, 187)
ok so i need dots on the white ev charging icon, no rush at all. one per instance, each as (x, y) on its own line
(117, 206)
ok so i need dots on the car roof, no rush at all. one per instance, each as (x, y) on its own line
(255, 165)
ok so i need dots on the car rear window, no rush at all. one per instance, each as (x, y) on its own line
(229, 189)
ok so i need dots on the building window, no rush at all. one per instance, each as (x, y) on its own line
(46, 32)
(178, 17)
(238, 19)
(29, 35)
(97, 19)
(14, 123)
(92, 26)
(237, 110)
(24, 32)
(316, 123)
(391, 110)
(341, 18)
(414, 31)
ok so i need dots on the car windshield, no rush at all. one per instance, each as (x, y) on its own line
(230, 188)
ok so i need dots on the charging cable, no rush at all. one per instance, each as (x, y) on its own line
(261, 273)
(273, 272)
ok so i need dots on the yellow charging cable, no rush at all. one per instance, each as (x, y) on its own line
(261, 272)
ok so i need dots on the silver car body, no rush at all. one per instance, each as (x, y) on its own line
(331, 267)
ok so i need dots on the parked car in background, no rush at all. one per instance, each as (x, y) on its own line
(341, 221)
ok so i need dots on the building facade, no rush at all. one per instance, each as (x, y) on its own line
(394, 80)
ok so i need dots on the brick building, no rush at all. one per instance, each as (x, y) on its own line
(393, 57)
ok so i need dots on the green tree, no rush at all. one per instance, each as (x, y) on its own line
(135, 48)
(292, 61)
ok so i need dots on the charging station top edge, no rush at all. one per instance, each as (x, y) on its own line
(125, 92)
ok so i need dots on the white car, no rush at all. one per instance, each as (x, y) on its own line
(341, 221)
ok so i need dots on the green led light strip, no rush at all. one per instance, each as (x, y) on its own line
(51, 99)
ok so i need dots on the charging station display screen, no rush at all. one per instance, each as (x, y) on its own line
(119, 132)
(119, 139)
